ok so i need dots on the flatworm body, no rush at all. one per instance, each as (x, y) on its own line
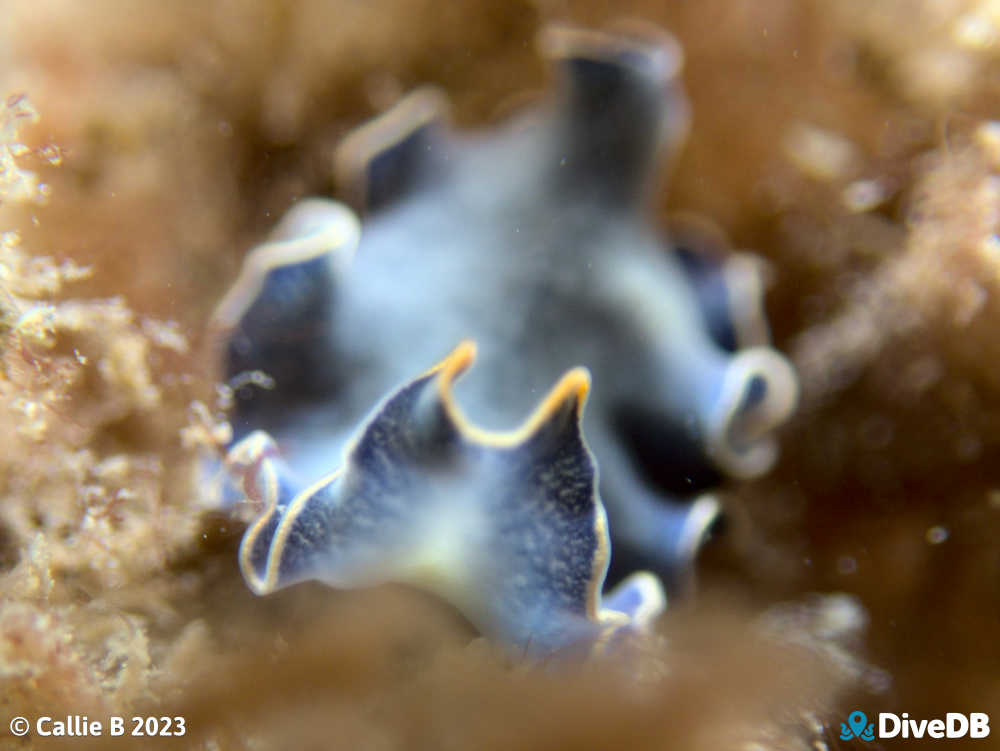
(530, 240)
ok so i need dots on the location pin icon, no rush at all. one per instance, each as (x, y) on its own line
(857, 721)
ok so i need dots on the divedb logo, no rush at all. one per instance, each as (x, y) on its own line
(954, 725)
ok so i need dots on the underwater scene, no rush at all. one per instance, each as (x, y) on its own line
(500, 375)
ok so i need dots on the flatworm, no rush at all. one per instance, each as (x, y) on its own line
(529, 239)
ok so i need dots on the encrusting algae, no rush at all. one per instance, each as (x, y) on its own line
(80, 518)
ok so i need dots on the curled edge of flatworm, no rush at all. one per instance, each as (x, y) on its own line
(312, 228)
(276, 312)
(634, 42)
(531, 575)
(729, 285)
(759, 390)
(384, 158)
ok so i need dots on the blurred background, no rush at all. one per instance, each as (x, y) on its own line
(848, 143)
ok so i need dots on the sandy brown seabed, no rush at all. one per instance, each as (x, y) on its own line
(847, 141)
